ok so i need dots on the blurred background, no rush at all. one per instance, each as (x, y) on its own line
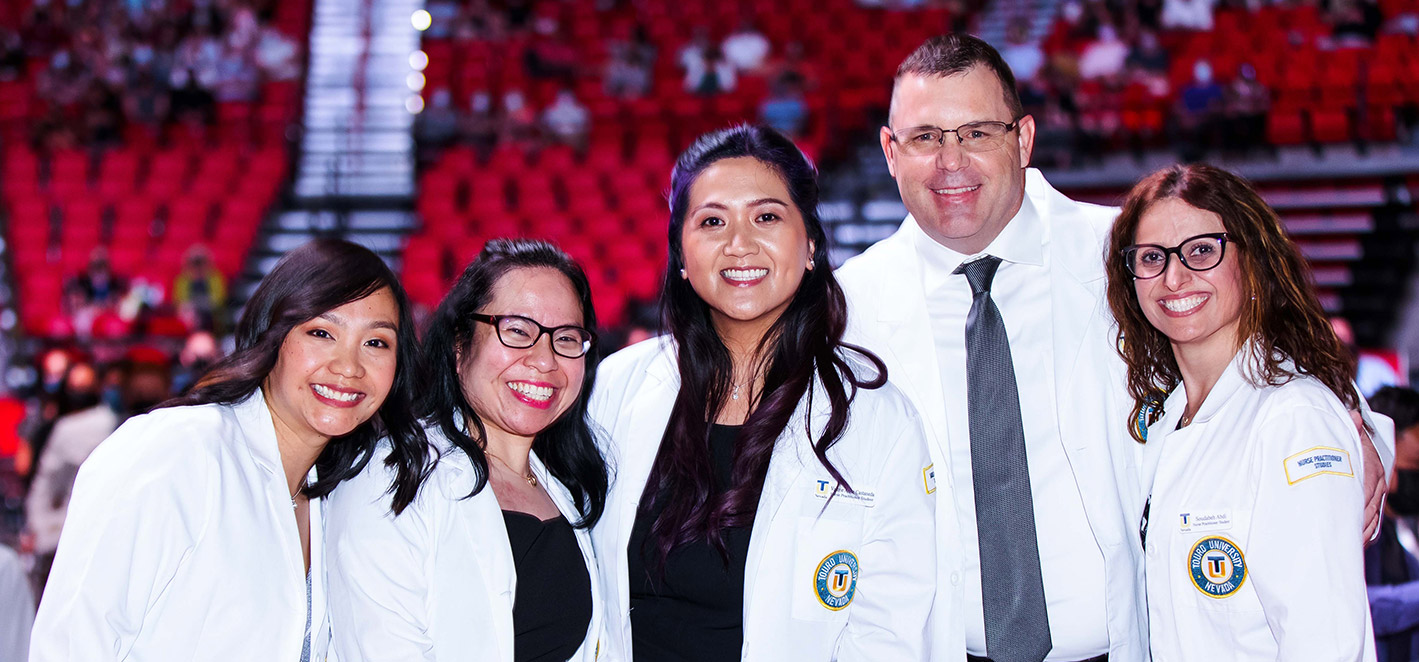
(158, 156)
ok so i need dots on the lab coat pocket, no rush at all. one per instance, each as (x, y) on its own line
(825, 568)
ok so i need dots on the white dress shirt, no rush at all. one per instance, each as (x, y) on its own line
(1069, 555)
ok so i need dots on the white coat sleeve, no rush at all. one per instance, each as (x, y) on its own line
(137, 509)
(897, 586)
(380, 569)
(1306, 559)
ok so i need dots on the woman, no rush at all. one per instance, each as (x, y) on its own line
(195, 532)
(492, 561)
(751, 514)
(1252, 460)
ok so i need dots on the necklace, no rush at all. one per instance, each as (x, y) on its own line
(735, 394)
(529, 477)
(299, 488)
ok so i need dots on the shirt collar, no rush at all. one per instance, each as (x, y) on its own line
(1021, 241)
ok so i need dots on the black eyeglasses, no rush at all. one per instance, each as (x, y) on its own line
(519, 332)
(973, 136)
(1198, 253)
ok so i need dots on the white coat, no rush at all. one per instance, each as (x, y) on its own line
(1253, 543)
(888, 315)
(180, 545)
(797, 529)
(436, 582)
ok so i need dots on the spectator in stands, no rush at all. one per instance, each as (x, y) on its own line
(482, 128)
(746, 49)
(784, 108)
(199, 352)
(74, 436)
(277, 55)
(1104, 57)
(145, 102)
(1148, 56)
(1187, 15)
(519, 121)
(443, 15)
(1391, 570)
(1022, 52)
(200, 291)
(1198, 112)
(566, 121)
(325, 366)
(78, 389)
(1247, 102)
(437, 125)
(551, 55)
(190, 103)
(711, 75)
(630, 68)
(97, 283)
(12, 55)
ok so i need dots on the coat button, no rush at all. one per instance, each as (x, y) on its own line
(955, 578)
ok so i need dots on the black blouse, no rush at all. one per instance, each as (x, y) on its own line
(552, 608)
(694, 610)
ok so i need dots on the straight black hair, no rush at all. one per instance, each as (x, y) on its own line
(309, 281)
(806, 341)
(567, 447)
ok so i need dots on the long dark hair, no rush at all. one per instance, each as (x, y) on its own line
(1281, 315)
(309, 281)
(805, 341)
(567, 447)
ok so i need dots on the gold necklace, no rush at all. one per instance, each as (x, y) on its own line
(531, 479)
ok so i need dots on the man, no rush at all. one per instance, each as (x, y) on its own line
(988, 308)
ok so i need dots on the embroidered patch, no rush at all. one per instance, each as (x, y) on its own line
(1215, 520)
(836, 579)
(928, 478)
(823, 489)
(1317, 461)
(1217, 567)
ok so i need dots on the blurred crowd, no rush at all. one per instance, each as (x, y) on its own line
(100, 304)
(706, 65)
(103, 69)
(1102, 56)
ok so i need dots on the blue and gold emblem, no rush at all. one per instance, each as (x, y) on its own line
(836, 579)
(1217, 567)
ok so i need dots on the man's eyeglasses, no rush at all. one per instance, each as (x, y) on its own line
(519, 332)
(1198, 253)
(973, 136)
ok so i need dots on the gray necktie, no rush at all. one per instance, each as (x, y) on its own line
(1013, 593)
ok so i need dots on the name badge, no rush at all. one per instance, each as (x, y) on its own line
(1205, 520)
(823, 489)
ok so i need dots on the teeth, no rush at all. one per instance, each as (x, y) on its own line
(1184, 305)
(954, 191)
(745, 274)
(326, 392)
(542, 393)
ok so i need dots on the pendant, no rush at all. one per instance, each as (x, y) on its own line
(735, 394)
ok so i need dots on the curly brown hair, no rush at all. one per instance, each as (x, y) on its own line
(1280, 313)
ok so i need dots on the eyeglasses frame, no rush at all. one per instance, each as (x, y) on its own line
(941, 142)
(549, 331)
(1222, 240)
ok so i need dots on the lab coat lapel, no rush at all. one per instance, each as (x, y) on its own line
(792, 450)
(650, 412)
(907, 340)
(1078, 313)
(486, 532)
(259, 430)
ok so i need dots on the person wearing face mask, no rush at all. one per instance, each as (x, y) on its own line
(1391, 569)
(1251, 485)
(493, 560)
(773, 496)
(196, 531)
(72, 439)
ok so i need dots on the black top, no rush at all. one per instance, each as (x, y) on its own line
(695, 610)
(552, 608)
